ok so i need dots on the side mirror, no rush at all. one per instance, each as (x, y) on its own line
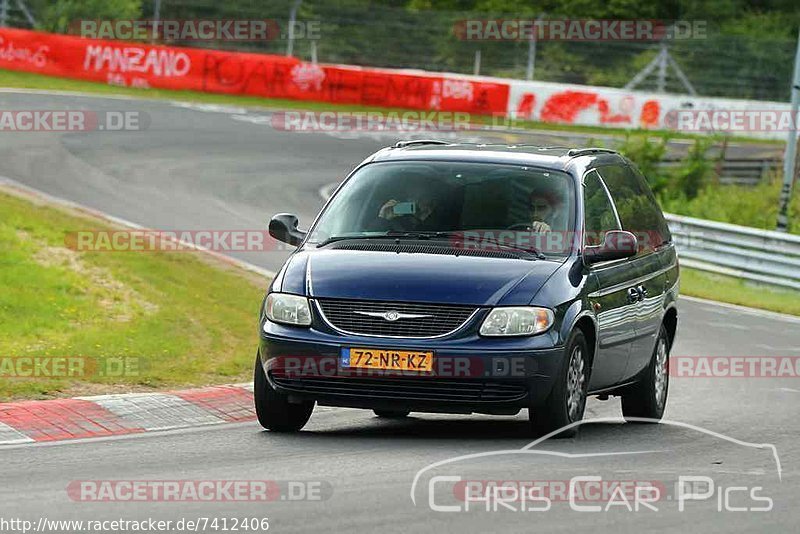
(283, 227)
(617, 244)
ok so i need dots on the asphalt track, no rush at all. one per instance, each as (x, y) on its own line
(195, 168)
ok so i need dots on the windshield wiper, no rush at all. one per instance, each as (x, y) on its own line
(335, 238)
(418, 235)
(429, 235)
(394, 234)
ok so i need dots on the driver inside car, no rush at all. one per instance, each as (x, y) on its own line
(545, 212)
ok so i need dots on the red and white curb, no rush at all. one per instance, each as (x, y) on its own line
(130, 413)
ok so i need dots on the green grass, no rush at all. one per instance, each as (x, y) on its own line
(177, 319)
(27, 80)
(736, 291)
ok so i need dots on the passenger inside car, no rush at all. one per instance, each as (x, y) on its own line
(421, 208)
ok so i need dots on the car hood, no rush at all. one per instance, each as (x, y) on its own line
(371, 275)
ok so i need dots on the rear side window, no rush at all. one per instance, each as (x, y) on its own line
(636, 206)
(599, 214)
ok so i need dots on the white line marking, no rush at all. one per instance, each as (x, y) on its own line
(10, 182)
(210, 108)
(119, 437)
(54, 92)
(327, 190)
(11, 436)
(728, 325)
(769, 347)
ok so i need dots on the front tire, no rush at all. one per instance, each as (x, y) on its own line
(273, 409)
(567, 401)
(647, 399)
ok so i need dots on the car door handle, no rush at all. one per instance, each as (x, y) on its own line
(633, 295)
(642, 292)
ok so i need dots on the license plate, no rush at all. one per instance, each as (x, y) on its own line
(388, 359)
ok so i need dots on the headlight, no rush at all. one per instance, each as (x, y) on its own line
(288, 309)
(517, 321)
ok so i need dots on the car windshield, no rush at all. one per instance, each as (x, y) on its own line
(424, 197)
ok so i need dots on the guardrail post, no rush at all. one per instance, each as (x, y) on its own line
(156, 20)
(791, 148)
(292, 23)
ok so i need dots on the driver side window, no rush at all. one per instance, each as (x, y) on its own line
(599, 213)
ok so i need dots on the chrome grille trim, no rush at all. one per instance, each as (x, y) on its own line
(407, 389)
(389, 305)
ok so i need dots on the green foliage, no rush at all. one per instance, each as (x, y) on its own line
(748, 206)
(647, 155)
(695, 172)
(59, 15)
(691, 188)
(682, 182)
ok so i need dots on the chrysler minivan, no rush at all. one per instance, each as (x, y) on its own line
(462, 278)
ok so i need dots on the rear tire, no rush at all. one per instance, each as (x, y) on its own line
(567, 401)
(648, 397)
(392, 414)
(273, 409)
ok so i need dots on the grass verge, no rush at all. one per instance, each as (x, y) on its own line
(733, 290)
(125, 321)
(25, 80)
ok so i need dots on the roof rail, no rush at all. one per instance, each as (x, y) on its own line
(586, 151)
(403, 144)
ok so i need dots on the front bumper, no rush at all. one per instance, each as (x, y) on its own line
(471, 374)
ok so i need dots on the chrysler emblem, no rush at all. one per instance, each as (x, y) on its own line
(392, 315)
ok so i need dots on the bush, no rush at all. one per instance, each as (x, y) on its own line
(694, 173)
(59, 15)
(744, 205)
(647, 156)
(691, 188)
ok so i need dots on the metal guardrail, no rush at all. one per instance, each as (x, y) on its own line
(759, 255)
(737, 171)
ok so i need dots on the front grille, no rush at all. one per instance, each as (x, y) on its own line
(438, 321)
(412, 389)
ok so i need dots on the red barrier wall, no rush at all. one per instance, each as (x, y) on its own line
(141, 65)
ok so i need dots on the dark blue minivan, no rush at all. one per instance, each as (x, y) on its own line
(463, 278)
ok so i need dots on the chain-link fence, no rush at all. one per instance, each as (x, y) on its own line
(16, 13)
(345, 31)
